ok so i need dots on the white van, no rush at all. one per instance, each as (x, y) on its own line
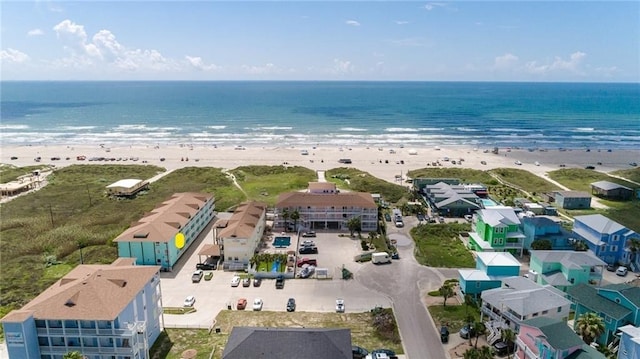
(380, 258)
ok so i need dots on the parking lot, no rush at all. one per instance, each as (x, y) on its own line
(315, 295)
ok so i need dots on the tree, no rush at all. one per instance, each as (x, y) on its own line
(486, 352)
(580, 246)
(372, 236)
(285, 216)
(480, 329)
(354, 224)
(295, 216)
(541, 244)
(73, 355)
(471, 353)
(508, 336)
(589, 326)
(446, 291)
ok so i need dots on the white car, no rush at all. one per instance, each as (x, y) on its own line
(622, 271)
(340, 305)
(190, 301)
(257, 304)
(518, 163)
(235, 281)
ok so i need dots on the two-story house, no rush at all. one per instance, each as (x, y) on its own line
(243, 232)
(496, 229)
(101, 311)
(617, 305)
(607, 239)
(520, 299)
(551, 338)
(629, 347)
(491, 269)
(536, 228)
(162, 236)
(563, 269)
(324, 207)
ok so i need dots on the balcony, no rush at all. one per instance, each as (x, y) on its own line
(86, 350)
(87, 332)
(528, 353)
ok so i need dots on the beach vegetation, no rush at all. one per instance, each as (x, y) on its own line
(355, 180)
(265, 183)
(579, 179)
(465, 175)
(439, 245)
(10, 173)
(524, 180)
(454, 316)
(632, 174)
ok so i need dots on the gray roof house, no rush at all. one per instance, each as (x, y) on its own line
(520, 299)
(300, 343)
(573, 199)
(607, 239)
(608, 189)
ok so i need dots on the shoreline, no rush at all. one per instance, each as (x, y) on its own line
(384, 162)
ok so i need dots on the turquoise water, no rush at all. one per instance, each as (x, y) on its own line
(488, 203)
(275, 266)
(544, 115)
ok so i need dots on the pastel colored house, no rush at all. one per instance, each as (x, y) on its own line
(240, 238)
(497, 229)
(629, 347)
(617, 304)
(573, 199)
(611, 190)
(520, 299)
(154, 239)
(327, 208)
(101, 311)
(607, 239)
(536, 228)
(491, 269)
(551, 338)
(563, 269)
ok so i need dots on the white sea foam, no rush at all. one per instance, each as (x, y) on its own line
(270, 128)
(584, 129)
(353, 129)
(401, 129)
(510, 130)
(467, 129)
(77, 128)
(217, 127)
(14, 127)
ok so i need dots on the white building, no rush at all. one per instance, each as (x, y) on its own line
(240, 238)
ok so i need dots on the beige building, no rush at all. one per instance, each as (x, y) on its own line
(322, 206)
(241, 236)
(127, 187)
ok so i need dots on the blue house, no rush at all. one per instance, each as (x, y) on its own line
(629, 347)
(491, 269)
(535, 228)
(617, 305)
(607, 239)
(101, 311)
(164, 235)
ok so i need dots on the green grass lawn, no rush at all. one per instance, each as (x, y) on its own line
(465, 175)
(266, 183)
(175, 341)
(356, 180)
(454, 316)
(580, 179)
(438, 245)
(525, 180)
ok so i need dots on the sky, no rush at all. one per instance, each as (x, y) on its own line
(539, 41)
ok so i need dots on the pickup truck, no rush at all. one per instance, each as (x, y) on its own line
(308, 261)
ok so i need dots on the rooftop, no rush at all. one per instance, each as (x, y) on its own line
(600, 223)
(608, 186)
(588, 296)
(573, 194)
(346, 199)
(126, 183)
(244, 220)
(569, 259)
(498, 259)
(556, 332)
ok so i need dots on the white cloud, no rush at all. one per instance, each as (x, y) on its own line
(35, 32)
(69, 28)
(13, 56)
(401, 22)
(352, 23)
(558, 65)
(505, 62)
(432, 5)
(342, 66)
(197, 63)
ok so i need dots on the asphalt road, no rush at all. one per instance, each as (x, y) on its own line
(405, 282)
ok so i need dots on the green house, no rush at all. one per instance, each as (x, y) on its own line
(563, 269)
(496, 230)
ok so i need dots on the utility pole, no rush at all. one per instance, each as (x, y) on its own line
(51, 215)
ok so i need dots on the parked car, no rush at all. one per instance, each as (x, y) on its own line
(308, 250)
(235, 281)
(611, 267)
(387, 217)
(14, 157)
(257, 304)
(207, 265)
(388, 352)
(307, 271)
(590, 168)
(246, 282)
(196, 277)
(242, 304)
(467, 332)
(308, 243)
(280, 282)
(340, 306)
(257, 282)
(502, 348)
(305, 260)
(190, 301)
(309, 234)
(420, 217)
(444, 334)
(291, 305)
(359, 352)
(622, 271)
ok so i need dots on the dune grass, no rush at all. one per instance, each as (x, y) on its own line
(438, 245)
(10, 173)
(632, 174)
(580, 179)
(465, 175)
(356, 180)
(524, 180)
(265, 183)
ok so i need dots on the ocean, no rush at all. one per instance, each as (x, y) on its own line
(418, 114)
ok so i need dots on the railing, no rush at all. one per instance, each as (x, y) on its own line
(528, 353)
(86, 350)
(86, 332)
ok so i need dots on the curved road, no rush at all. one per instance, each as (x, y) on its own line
(404, 282)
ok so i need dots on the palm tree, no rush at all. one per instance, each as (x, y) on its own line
(295, 216)
(589, 326)
(480, 329)
(73, 355)
(354, 224)
(508, 336)
(285, 217)
(471, 353)
(446, 291)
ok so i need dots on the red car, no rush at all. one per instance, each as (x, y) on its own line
(308, 261)
(242, 303)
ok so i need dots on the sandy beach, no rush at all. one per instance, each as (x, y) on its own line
(384, 162)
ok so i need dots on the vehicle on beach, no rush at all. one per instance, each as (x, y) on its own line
(14, 158)
(291, 305)
(518, 163)
(483, 162)
(536, 163)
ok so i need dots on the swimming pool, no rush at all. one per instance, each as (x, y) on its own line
(488, 203)
(280, 242)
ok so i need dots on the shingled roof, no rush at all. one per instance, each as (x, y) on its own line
(346, 199)
(588, 296)
(556, 332)
(244, 220)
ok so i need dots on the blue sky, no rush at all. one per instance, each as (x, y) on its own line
(578, 41)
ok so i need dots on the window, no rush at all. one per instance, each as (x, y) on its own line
(613, 248)
(545, 312)
(616, 238)
(477, 284)
(559, 309)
